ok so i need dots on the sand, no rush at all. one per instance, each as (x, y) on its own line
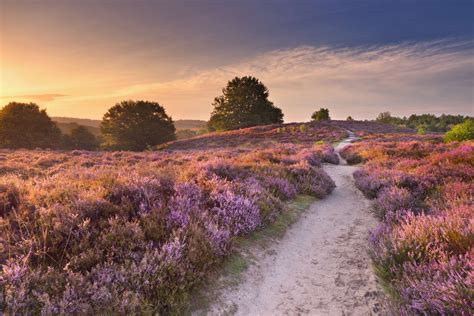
(320, 266)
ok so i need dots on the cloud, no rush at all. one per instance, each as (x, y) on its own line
(48, 97)
(436, 77)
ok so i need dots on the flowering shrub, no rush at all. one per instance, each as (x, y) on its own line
(120, 232)
(391, 200)
(423, 251)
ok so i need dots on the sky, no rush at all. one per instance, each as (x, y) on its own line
(358, 58)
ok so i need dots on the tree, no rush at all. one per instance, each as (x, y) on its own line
(24, 125)
(136, 125)
(384, 117)
(460, 132)
(349, 118)
(81, 138)
(243, 103)
(321, 115)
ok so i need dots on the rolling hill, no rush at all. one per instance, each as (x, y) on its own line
(67, 123)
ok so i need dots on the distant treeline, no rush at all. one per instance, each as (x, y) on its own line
(140, 125)
(425, 122)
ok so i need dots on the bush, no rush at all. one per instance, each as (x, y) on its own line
(321, 115)
(393, 199)
(460, 132)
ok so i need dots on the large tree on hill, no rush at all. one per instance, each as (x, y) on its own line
(136, 125)
(243, 103)
(25, 125)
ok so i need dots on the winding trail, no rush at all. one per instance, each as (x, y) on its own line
(320, 267)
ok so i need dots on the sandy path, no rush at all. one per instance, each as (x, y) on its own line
(320, 267)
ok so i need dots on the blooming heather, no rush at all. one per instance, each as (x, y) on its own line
(423, 250)
(130, 233)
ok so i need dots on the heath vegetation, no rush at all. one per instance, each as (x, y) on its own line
(423, 249)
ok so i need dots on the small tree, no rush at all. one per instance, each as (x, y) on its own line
(384, 117)
(136, 125)
(81, 138)
(321, 115)
(243, 103)
(349, 118)
(460, 132)
(24, 125)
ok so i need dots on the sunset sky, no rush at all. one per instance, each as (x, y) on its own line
(358, 58)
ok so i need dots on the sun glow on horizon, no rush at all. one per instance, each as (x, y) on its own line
(85, 68)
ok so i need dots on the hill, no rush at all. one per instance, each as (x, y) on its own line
(303, 133)
(78, 121)
(190, 124)
(67, 127)
(179, 124)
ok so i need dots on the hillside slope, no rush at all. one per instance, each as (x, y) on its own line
(303, 133)
(179, 124)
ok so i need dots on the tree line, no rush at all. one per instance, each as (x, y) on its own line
(136, 125)
(141, 125)
(423, 123)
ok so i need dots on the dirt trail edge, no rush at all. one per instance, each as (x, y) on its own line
(320, 267)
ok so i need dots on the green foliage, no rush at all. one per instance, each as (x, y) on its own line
(136, 125)
(384, 117)
(24, 125)
(80, 138)
(243, 103)
(321, 115)
(423, 123)
(421, 130)
(460, 132)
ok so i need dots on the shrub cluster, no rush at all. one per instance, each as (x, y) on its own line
(120, 232)
(423, 250)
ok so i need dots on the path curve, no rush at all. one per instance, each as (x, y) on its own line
(320, 267)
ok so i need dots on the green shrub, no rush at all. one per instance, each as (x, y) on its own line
(460, 132)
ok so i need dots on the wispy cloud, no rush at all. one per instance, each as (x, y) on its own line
(47, 97)
(436, 76)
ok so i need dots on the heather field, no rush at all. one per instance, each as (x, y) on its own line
(422, 250)
(241, 158)
(87, 232)
(123, 232)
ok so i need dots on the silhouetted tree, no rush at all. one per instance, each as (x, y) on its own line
(80, 138)
(349, 118)
(321, 115)
(24, 125)
(136, 125)
(243, 103)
